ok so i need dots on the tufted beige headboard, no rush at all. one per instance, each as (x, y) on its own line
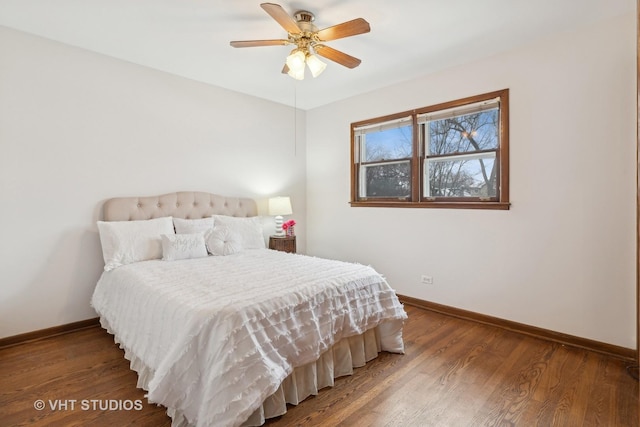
(183, 204)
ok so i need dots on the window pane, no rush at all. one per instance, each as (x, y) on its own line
(386, 180)
(462, 134)
(388, 144)
(461, 176)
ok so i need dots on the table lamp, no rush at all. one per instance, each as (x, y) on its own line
(279, 206)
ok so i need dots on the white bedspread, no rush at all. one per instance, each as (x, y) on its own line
(220, 334)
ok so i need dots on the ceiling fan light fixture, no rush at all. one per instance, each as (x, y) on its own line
(296, 63)
(315, 65)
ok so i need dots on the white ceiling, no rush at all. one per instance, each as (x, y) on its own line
(408, 38)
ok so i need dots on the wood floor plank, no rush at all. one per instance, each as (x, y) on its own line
(453, 373)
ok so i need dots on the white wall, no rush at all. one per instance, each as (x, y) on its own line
(77, 128)
(563, 258)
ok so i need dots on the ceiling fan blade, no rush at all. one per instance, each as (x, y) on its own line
(336, 56)
(256, 43)
(346, 29)
(281, 16)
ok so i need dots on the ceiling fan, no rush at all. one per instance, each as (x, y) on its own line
(308, 40)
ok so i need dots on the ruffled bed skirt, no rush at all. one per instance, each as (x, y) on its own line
(306, 380)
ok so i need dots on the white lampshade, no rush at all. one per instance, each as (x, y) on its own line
(315, 65)
(296, 63)
(280, 206)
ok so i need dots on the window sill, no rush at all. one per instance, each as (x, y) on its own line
(430, 205)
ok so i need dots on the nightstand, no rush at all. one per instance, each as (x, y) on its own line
(286, 243)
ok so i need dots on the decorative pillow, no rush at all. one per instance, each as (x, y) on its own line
(222, 241)
(183, 246)
(248, 230)
(126, 242)
(192, 226)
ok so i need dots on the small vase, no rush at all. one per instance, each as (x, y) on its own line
(290, 231)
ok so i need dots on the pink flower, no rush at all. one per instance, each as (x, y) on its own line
(288, 224)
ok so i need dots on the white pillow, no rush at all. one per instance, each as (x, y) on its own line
(126, 242)
(183, 246)
(247, 229)
(222, 241)
(192, 226)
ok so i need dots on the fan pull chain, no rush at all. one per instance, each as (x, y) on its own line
(295, 119)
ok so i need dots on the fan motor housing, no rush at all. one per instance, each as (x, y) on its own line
(304, 20)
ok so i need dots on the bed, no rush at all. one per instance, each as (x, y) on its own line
(228, 337)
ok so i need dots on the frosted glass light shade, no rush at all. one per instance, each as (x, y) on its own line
(315, 65)
(298, 75)
(296, 62)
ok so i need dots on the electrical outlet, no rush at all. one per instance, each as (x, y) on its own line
(427, 280)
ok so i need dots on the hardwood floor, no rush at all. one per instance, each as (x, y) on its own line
(454, 373)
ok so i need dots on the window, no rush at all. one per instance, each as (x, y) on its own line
(452, 155)
(386, 152)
